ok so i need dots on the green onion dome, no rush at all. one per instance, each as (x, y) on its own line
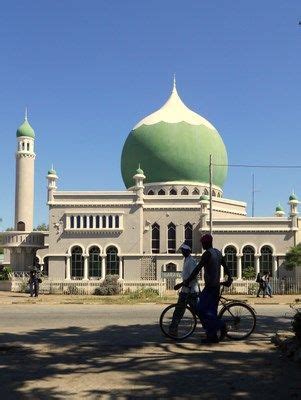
(174, 145)
(293, 197)
(279, 208)
(52, 172)
(25, 130)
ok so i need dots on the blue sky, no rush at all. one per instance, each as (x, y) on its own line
(90, 70)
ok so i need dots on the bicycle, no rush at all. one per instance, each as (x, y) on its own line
(239, 317)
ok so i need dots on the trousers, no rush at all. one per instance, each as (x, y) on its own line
(207, 311)
(183, 299)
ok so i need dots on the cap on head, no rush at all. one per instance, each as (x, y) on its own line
(206, 240)
(185, 247)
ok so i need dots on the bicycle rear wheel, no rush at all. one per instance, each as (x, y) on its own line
(240, 320)
(186, 326)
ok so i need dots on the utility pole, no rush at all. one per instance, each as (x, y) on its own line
(210, 192)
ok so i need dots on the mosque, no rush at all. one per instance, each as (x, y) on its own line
(136, 233)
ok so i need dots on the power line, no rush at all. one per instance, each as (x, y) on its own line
(258, 166)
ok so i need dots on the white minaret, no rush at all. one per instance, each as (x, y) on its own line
(24, 195)
(51, 186)
(139, 187)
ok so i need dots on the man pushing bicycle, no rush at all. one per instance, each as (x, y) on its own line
(211, 260)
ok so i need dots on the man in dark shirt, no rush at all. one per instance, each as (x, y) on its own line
(212, 260)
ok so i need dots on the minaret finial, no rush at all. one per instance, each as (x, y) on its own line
(52, 167)
(174, 83)
(25, 117)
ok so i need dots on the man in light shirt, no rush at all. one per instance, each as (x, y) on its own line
(188, 293)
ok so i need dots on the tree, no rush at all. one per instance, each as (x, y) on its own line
(293, 257)
(42, 227)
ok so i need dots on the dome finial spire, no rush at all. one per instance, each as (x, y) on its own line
(26, 114)
(174, 83)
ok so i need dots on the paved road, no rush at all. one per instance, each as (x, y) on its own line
(117, 352)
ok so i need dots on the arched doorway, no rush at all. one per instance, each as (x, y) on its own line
(170, 282)
(21, 226)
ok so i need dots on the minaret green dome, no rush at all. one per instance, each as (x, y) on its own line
(25, 129)
(174, 145)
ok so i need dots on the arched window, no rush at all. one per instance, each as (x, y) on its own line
(112, 261)
(161, 192)
(231, 259)
(151, 192)
(27, 146)
(155, 238)
(248, 257)
(78, 221)
(94, 262)
(91, 222)
(184, 192)
(218, 194)
(196, 191)
(110, 221)
(23, 145)
(84, 221)
(20, 226)
(188, 234)
(72, 222)
(116, 221)
(173, 192)
(213, 193)
(206, 192)
(46, 266)
(97, 221)
(104, 221)
(77, 263)
(266, 260)
(171, 233)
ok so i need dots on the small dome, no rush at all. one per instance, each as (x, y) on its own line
(52, 172)
(25, 130)
(140, 171)
(279, 208)
(204, 197)
(293, 197)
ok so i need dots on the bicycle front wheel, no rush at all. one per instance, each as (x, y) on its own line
(240, 320)
(185, 327)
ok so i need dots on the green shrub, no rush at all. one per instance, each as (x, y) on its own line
(108, 287)
(248, 273)
(24, 286)
(5, 273)
(72, 290)
(144, 294)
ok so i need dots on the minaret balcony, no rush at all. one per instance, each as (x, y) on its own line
(23, 239)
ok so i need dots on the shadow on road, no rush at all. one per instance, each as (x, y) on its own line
(131, 362)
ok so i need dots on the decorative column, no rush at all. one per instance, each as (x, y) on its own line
(222, 274)
(68, 268)
(257, 264)
(120, 268)
(239, 269)
(275, 267)
(103, 267)
(86, 265)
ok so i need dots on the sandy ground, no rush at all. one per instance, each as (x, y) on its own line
(81, 351)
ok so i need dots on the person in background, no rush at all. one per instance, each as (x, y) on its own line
(268, 288)
(212, 260)
(261, 284)
(188, 293)
(33, 283)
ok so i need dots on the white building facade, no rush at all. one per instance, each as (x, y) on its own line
(136, 233)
